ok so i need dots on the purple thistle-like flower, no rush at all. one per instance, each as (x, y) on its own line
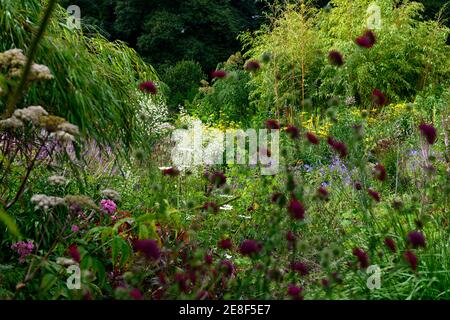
(74, 253)
(250, 247)
(380, 172)
(416, 239)
(219, 74)
(227, 267)
(218, 178)
(312, 138)
(252, 66)
(211, 206)
(225, 244)
(411, 258)
(367, 40)
(390, 243)
(148, 247)
(378, 98)
(296, 209)
(323, 192)
(335, 58)
(172, 172)
(295, 292)
(338, 146)
(136, 294)
(148, 87)
(375, 195)
(429, 132)
(293, 132)
(300, 267)
(272, 124)
(363, 258)
(290, 236)
(75, 228)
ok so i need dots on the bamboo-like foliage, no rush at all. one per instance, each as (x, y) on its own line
(95, 80)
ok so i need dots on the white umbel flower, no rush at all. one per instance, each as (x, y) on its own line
(31, 114)
(69, 128)
(11, 123)
(44, 202)
(57, 180)
(110, 194)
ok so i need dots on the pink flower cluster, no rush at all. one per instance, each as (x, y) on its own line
(23, 249)
(108, 206)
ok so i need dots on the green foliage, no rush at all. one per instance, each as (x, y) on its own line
(183, 80)
(100, 94)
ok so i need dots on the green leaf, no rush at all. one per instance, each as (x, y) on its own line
(47, 282)
(10, 224)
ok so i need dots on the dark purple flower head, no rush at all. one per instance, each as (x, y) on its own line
(148, 87)
(293, 132)
(295, 292)
(325, 283)
(378, 98)
(390, 243)
(219, 74)
(375, 195)
(172, 172)
(379, 172)
(411, 258)
(416, 239)
(367, 40)
(429, 132)
(296, 209)
(211, 206)
(136, 294)
(335, 58)
(323, 193)
(252, 66)
(208, 259)
(148, 247)
(300, 267)
(74, 253)
(250, 247)
(290, 236)
(272, 124)
(358, 185)
(225, 244)
(363, 258)
(218, 178)
(338, 146)
(312, 138)
(227, 267)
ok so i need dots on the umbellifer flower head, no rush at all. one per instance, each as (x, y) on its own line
(219, 74)
(272, 124)
(390, 243)
(312, 138)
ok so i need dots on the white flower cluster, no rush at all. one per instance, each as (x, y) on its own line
(11, 123)
(152, 115)
(110, 194)
(44, 202)
(66, 132)
(31, 114)
(16, 60)
(349, 101)
(57, 180)
(13, 57)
